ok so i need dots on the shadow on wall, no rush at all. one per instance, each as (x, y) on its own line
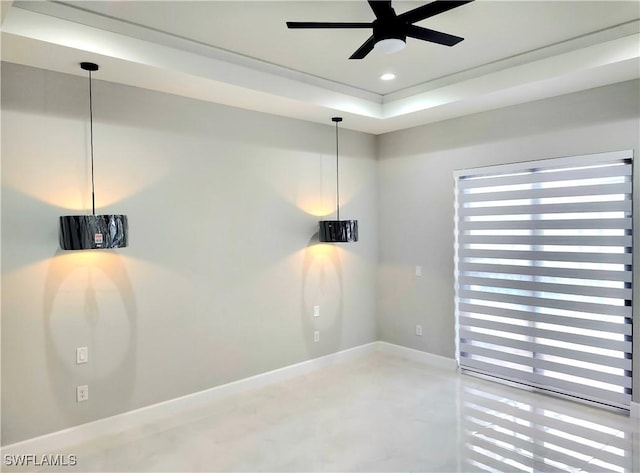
(322, 286)
(89, 301)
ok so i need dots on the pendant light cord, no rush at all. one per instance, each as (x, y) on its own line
(337, 175)
(93, 189)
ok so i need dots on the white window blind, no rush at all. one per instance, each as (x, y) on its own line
(544, 274)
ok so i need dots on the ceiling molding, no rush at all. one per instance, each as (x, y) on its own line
(132, 55)
(101, 22)
(602, 36)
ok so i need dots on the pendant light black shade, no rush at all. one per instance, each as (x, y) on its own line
(91, 232)
(338, 231)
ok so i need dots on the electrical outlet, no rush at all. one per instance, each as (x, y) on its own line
(82, 355)
(418, 271)
(316, 311)
(316, 336)
(419, 330)
(82, 393)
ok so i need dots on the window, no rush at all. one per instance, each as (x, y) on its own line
(544, 274)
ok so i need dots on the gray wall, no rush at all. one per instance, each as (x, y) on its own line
(415, 190)
(222, 271)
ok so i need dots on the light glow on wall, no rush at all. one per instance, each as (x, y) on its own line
(314, 206)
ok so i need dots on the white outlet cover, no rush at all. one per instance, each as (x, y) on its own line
(418, 329)
(316, 336)
(418, 270)
(82, 393)
(316, 311)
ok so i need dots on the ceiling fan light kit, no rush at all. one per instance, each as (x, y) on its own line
(390, 30)
(389, 45)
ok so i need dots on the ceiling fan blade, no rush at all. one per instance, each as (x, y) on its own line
(314, 24)
(382, 8)
(425, 34)
(365, 49)
(431, 9)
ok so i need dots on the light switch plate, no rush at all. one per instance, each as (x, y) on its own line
(82, 355)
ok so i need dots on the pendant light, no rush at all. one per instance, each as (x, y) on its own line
(90, 232)
(338, 231)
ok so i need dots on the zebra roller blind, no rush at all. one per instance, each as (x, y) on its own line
(544, 274)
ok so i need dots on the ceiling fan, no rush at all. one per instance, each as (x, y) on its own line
(390, 31)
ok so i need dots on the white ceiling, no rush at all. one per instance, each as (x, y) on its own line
(241, 54)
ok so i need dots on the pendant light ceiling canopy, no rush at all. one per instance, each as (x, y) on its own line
(90, 232)
(338, 231)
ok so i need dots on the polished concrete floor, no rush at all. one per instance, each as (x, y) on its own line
(377, 413)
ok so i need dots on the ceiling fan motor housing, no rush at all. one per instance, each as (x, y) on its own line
(389, 29)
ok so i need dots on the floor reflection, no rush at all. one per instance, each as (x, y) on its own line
(375, 413)
(532, 432)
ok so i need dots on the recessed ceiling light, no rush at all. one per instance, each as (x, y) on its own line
(388, 76)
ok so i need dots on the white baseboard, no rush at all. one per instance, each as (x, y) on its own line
(117, 424)
(417, 355)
